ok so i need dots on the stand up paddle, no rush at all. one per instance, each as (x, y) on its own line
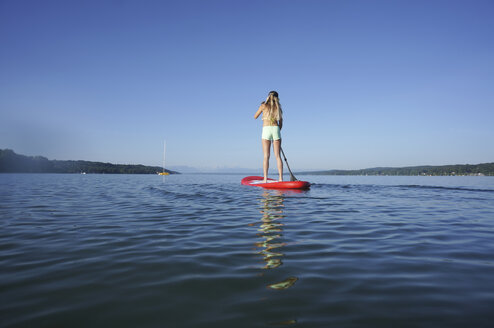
(292, 177)
(258, 181)
(272, 116)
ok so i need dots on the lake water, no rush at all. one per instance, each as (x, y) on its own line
(205, 251)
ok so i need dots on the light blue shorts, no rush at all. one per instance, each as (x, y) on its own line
(271, 132)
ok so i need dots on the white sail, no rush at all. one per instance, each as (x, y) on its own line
(164, 155)
(163, 172)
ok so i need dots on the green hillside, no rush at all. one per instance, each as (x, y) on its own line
(10, 162)
(459, 169)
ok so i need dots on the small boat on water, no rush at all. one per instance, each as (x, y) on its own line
(164, 171)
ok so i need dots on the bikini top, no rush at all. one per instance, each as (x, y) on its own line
(269, 119)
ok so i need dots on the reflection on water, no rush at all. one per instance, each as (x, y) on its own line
(271, 233)
(287, 283)
(270, 247)
(271, 229)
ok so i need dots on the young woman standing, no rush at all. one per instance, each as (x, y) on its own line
(272, 117)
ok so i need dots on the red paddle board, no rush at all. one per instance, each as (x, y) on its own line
(257, 181)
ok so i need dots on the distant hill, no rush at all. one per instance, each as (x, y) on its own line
(459, 169)
(10, 162)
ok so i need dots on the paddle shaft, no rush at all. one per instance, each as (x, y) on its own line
(292, 177)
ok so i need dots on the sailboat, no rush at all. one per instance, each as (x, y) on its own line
(164, 154)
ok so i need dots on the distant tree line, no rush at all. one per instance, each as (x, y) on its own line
(466, 169)
(10, 162)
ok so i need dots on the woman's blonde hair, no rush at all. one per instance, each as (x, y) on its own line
(273, 107)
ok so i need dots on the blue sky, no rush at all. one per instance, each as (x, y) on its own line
(362, 83)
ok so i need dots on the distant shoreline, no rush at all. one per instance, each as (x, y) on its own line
(484, 169)
(10, 162)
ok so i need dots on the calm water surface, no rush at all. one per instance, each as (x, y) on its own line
(205, 251)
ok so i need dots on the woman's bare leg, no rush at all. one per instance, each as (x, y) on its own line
(266, 145)
(276, 150)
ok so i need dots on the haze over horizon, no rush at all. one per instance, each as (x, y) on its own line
(362, 84)
(258, 171)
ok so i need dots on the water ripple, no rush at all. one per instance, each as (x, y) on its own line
(202, 250)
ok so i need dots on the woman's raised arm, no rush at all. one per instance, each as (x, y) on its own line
(259, 111)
